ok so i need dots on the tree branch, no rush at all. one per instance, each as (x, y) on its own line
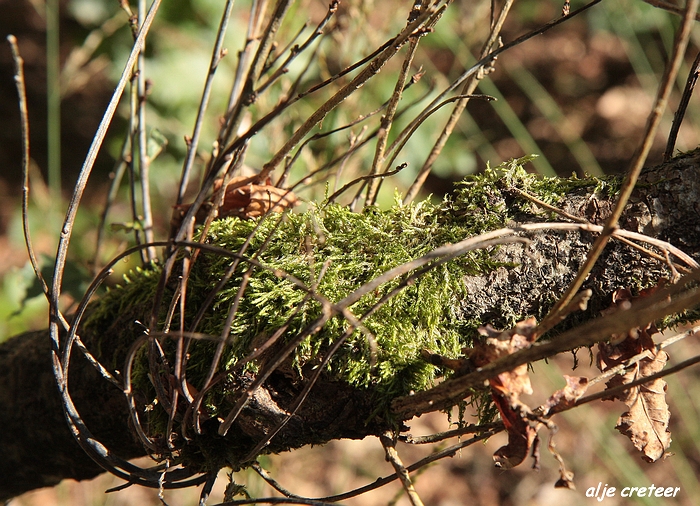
(39, 450)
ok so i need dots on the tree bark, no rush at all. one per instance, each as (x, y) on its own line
(38, 450)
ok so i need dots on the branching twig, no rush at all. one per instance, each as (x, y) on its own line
(651, 308)
(192, 145)
(367, 73)
(467, 90)
(679, 48)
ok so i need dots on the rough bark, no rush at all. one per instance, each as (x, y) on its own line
(38, 450)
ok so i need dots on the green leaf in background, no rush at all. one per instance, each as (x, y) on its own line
(157, 142)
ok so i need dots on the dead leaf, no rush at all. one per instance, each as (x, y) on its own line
(566, 397)
(245, 199)
(507, 387)
(242, 198)
(500, 344)
(521, 433)
(566, 480)
(647, 420)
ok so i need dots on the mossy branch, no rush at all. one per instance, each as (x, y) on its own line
(309, 270)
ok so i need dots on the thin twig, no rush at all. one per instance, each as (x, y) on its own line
(641, 381)
(657, 305)
(609, 373)
(367, 73)
(483, 62)
(468, 89)
(380, 482)
(24, 125)
(297, 50)
(408, 132)
(682, 106)
(668, 6)
(144, 160)
(248, 95)
(218, 54)
(679, 48)
(392, 456)
(388, 119)
(271, 481)
(116, 176)
(364, 178)
(441, 436)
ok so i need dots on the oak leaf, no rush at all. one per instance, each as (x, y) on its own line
(246, 199)
(646, 422)
(243, 197)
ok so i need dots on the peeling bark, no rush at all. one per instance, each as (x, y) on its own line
(38, 450)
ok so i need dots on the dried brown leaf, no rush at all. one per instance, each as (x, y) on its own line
(507, 387)
(566, 480)
(646, 422)
(566, 397)
(521, 433)
(242, 198)
(500, 344)
(254, 200)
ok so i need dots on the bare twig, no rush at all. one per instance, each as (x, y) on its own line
(641, 381)
(484, 62)
(392, 456)
(218, 54)
(144, 160)
(679, 48)
(388, 119)
(682, 106)
(670, 7)
(24, 123)
(467, 90)
(441, 436)
(248, 95)
(656, 306)
(297, 50)
(271, 481)
(609, 373)
(367, 73)
(380, 482)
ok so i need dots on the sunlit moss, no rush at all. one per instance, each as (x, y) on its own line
(337, 251)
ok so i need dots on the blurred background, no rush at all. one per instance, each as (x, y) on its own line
(577, 96)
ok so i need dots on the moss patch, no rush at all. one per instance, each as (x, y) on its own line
(338, 251)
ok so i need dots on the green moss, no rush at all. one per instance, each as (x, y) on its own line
(351, 249)
(356, 248)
